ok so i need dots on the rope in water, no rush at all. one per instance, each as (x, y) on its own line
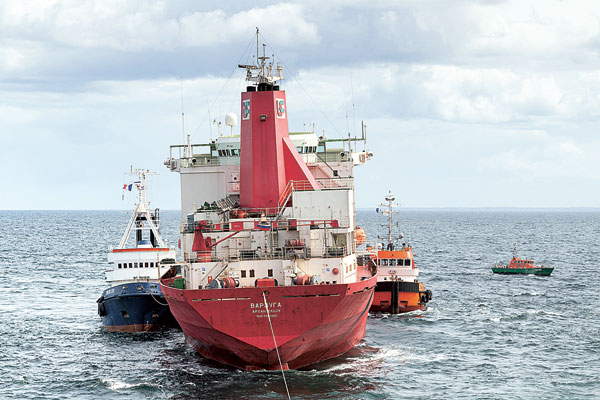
(276, 349)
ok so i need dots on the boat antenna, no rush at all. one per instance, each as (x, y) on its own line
(257, 34)
(364, 134)
(353, 109)
(182, 115)
(209, 124)
(515, 250)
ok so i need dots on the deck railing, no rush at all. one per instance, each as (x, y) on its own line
(280, 253)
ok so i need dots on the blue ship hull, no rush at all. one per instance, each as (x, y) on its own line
(134, 307)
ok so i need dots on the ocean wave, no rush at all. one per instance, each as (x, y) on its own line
(117, 385)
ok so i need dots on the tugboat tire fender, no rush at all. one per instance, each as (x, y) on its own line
(101, 307)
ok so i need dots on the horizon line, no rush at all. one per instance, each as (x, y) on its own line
(440, 208)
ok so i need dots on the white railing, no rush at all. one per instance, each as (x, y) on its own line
(283, 253)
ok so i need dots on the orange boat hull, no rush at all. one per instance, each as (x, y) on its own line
(408, 297)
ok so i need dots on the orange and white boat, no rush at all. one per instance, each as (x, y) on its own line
(398, 289)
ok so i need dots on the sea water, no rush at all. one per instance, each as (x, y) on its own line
(482, 336)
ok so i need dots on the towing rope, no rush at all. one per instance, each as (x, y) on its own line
(276, 349)
(154, 298)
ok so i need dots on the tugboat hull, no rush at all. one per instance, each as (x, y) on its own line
(134, 307)
(310, 323)
(399, 297)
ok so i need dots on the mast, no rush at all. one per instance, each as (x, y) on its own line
(389, 211)
(141, 211)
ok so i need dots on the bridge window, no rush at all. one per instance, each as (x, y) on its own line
(270, 273)
(407, 262)
(393, 262)
(299, 148)
(119, 265)
(135, 265)
(130, 265)
(384, 262)
(251, 273)
(243, 272)
(145, 265)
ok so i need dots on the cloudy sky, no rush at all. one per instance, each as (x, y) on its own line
(467, 103)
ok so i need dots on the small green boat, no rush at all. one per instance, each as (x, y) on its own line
(519, 266)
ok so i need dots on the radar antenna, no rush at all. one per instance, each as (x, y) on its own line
(261, 73)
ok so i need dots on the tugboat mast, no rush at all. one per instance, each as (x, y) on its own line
(390, 210)
(141, 212)
(390, 198)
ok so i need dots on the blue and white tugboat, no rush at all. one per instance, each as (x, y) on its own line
(134, 302)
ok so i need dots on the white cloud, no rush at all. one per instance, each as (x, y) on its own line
(467, 97)
(454, 93)
(144, 24)
(541, 28)
(535, 154)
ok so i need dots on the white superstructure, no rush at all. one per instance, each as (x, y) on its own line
(137, 257)
(311, 236)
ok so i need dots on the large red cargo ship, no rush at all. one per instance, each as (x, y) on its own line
(270, 278)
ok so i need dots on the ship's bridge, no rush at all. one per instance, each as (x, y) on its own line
(211, 171)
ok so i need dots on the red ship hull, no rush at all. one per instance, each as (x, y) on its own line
(310, 323)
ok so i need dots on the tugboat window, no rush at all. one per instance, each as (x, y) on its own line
(407, 262)
(135, 265)
(130, 265)
(119, 265)
(393, 262)
(146, 265)
(384, 262)
(270, 273)
(243, 273)
(251, 273)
